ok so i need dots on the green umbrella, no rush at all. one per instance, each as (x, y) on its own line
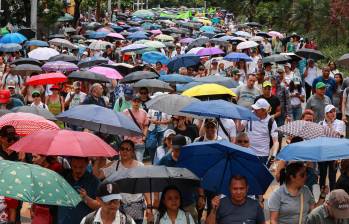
(35, 184)
(4, 31)
(65, 18)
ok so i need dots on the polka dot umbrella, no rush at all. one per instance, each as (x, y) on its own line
(35, 184)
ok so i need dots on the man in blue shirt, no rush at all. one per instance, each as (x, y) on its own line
(329, 81)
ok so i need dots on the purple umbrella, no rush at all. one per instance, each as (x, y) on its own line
(187, 40)
(107, 72)
(133, 47)
(62, 66)
(210, 51)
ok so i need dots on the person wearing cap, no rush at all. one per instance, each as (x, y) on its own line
(8, 76)
(166, 147)
(124, 102)
(318, 101)
(12, 88)
(76, 97)
(329, 82)
(95, 96)
(311, 72)
(109, 197)
(335, 210)
(275, 108)
(8, 102)
(210, 132)
(235, 75)
(37, 101)
(247, 93)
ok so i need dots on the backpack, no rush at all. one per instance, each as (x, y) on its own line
(124, 219)
(186, 217)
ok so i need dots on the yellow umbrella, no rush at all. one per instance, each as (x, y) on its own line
(208, 90)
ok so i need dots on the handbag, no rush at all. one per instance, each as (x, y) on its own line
(301, 209)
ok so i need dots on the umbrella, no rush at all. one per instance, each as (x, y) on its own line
(93, 25)
(64, 57)
(35, 110)
(57, 35)
(307, 130)
(62, 43)
(310, 53)
(92, 61)
(243, 34)
(143, 14)
(104, 29)
(276, 58)
(208, 90)
(153, 85)
(154, 44)
(194, 50)
(184, 60)
(35, 184)
(170, 103)
(100, 119)
(15, 38)
(27, 32)
(176, 79)
(133, 47)
(293, 56)
(139, 75)
(87, 75)
(209, 29)
(12, 47)
(135, 29)
(69, 30)
(4, 111)
(246, 45)
(67, 17)
(210, 51)
(97, 35)
(46, 78)
(154, 179)
(263, 34)
(235, 57)
(216, 162)
(344, 60)
(116, 36)
(99, 45)
(27, 61)
(164, 38)
(36, 43)
(198, 42)
(122, 68)
(42, 53)
(275, 34)
(220, 80)
(62, 66)
(78, 37)
(257, 38)
(26, 69)
(64, 143)
(156, 32)
(27, 123)
(153, 57)
(220, 42)
(316, 150)
(187, 40)
(137, 36)
(107, 72)
(232, 39)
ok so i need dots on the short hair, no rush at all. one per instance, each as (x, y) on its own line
(291, 170)
(238, 178)
(251, 74)
(79, 158)
(242, 135)
(94, 85)
(308, 112)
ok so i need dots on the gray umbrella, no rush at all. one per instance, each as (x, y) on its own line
(154, 85)
(27, 61)
(35, 110)
(64, 57)
(276, 58)
(219, 41)
(139, 75)
(78, 37)
(26, 69)
(87, 75)
(198, 42)
(60, 42)
(344, 60)
(220, 80)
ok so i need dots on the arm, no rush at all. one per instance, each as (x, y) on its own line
(275, 147)
(68, 99)
(90, 202)
(212, 217)
(62, 103)
(277, 112)
(274, 216)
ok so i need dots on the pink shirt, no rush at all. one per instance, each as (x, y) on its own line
(143, 121)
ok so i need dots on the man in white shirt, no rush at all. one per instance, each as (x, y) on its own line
(310, 73)
(75, 98)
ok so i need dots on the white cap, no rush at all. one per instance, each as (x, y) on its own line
(261, 104)
(287, 65)
(169, 132)
(329, 107)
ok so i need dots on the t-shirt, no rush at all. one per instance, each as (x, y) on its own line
(246, 95)
(312, 74)
(317, 104)
(249, 213)
(229, 126)
(142, 119)
(273, 101)
(78, 98)
(191, 131)
(345, 98)
(295, 101)
(330, 85)
(320, 216)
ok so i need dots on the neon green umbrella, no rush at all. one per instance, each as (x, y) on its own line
(35, 184)
(4, 31)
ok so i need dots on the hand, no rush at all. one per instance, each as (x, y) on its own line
(201, 203)
(344, 118)
(288, 119)
(215, 202)
(149, 215)
(83, 193)
(324, 191)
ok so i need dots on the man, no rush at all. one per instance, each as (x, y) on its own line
(8, 102)
(12, 88)
(310, 74)
(124, 102)
(318, 101)
(335, 210)
(109, 197)
(274, 101)
(86, 185)
(76, 97)
(210, 132)
(144, 97)
(236, 208)
(329, 82)
(8, 76)
(109, 53)
(246, 94)
(140, 118)
(95, 96)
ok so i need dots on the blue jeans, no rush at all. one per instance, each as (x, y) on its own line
(139, 151)
(296, 113)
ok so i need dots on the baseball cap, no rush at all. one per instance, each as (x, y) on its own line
(11, 84)
(329, 107)
(128, 91)
(261, 104)
(287, 65)
(338, 203)
(169, 132)
(320, 85)
(36, 92)
(5, 96)
(236, 71)
(108, 192)
(266, 84)
(136, 97)
(178, 141)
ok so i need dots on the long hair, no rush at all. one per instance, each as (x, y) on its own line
(162, 206)
(293, 87)
(291, 170)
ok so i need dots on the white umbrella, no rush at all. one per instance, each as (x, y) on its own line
(227, 64)
(246, 45)
(62, 43)
(256, 38)
(43, 53)
(99, 45)
(194, 50)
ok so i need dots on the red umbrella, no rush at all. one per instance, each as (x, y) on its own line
(47, 78)
(26, 123)
(64, 143)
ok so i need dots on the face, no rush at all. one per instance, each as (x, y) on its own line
(300, 178)
(243, 141)
(308, 117)
(332, 66)
(238, 191)
(261, 113)
(143, 94)
(169, 141)
(210, 130)
(136, 104)
(77, 90)
(251, 80)
(38, 159)
(78, 167)
(98, 91)
(126, 151)
(326, 72)
(267, 91)
(321, 91)
(36, 97)
(1, 60)
(332, 114)
(12, 90)
(172, 200)
(110, 206)
(338, 78)
(287, 69)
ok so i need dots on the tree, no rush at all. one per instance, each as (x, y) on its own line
(76, 11)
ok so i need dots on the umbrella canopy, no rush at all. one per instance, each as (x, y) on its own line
(62, 43)
(246, 45)
(143, 14)
(216, 162)
(235, 57)
(27, 61)
(26, 69)
(116, 36)
(35, 184)
(139, 75)
(257, 38)
(36, 110)
(46, 78)
(92, 61)
(139, 35)
(184, 60)
(194, 50)
(122, 68)
(310, 53)
(154, 44)
(15, 38)
(97, 35)
(233, 39)
(208, 90)
(57, 35)
(69, 30)
(187, 40)
(64, 143)
(27, 123)
(64, 57)
(164, 38)
(12, 47)
(43, 53)
(107, 72)
(154, 179)
(78, 37)
(87, 75)
(275, 34)
(220, 80)
(276, 58)
(99, 45)
(198, 42)
(67, 17)
(344, 60)
(176, 79)
(243, 34)
(170, 103)
(316, 150)
(133, 47)
(153, 85)
(153, 57)
(62, 66)
(101, 119)
(293, 56)
(36, 43)
(209, 29)
(263, 34)
(210, 51)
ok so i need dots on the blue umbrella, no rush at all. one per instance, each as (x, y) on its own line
(37, 43)
(317, 150)
(100, 119)
(176, 78)
(235, 57)
(97, 35)
(134, 29)
(216, 162)
(219, 109)
(184, 60)
(208, 29)
(115, 27)
(91, 61)
(10, 47)
(242, 33)
(220, 80)
(139, 35)
(133, 47)
(16, 38)
(183, 87)
(152, 57)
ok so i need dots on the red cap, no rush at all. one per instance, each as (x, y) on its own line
(55, 87)
(5, 96)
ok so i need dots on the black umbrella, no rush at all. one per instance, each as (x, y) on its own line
(78, 37)
(310, 53)
(64, 57)
(277, 58)
(35, 110)
(139, 75)
(26, 61)
(198, 42)
(91, 61)
(26, 69)
(87, 75)
(263, 34)
(27, 32)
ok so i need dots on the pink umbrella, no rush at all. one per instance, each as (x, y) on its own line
(156, 32)
(116, 36)
(275, 34)
(104, 29)
(107, 72)
(209, 51)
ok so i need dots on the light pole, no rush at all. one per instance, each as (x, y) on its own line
(34, 15)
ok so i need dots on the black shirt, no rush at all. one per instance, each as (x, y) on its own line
(343, 183)
(273, 101)
(191, 131)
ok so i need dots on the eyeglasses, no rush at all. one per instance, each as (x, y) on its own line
(34, 96)
(243, 141)
(125, 149)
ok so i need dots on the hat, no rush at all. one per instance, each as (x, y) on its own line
(338, 203)
(178, 141)
(214, 61)
(320, 85)
(76, 84)
(266, 84)
(236, 71)
(11, 84)
(329, 107)
(136, 97)
(36, 92)
(55, 87)
(261, 104)
(5, 96)
(85, 53)
(169, 132)
(287, 65)
(108, 192)
(210, 122)
(128, 91)
(280, 70)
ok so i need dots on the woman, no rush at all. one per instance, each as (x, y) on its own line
(185, 128)
(132, 204)
(55, 103)
(8, 136)
(166, 147)
(297, 95)
(292, 202)
(170, 209)
(338, 95)
(241, 65)
(333, 68)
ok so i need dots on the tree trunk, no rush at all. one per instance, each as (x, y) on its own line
(98, 9)
(76, 11)
(26, 5)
